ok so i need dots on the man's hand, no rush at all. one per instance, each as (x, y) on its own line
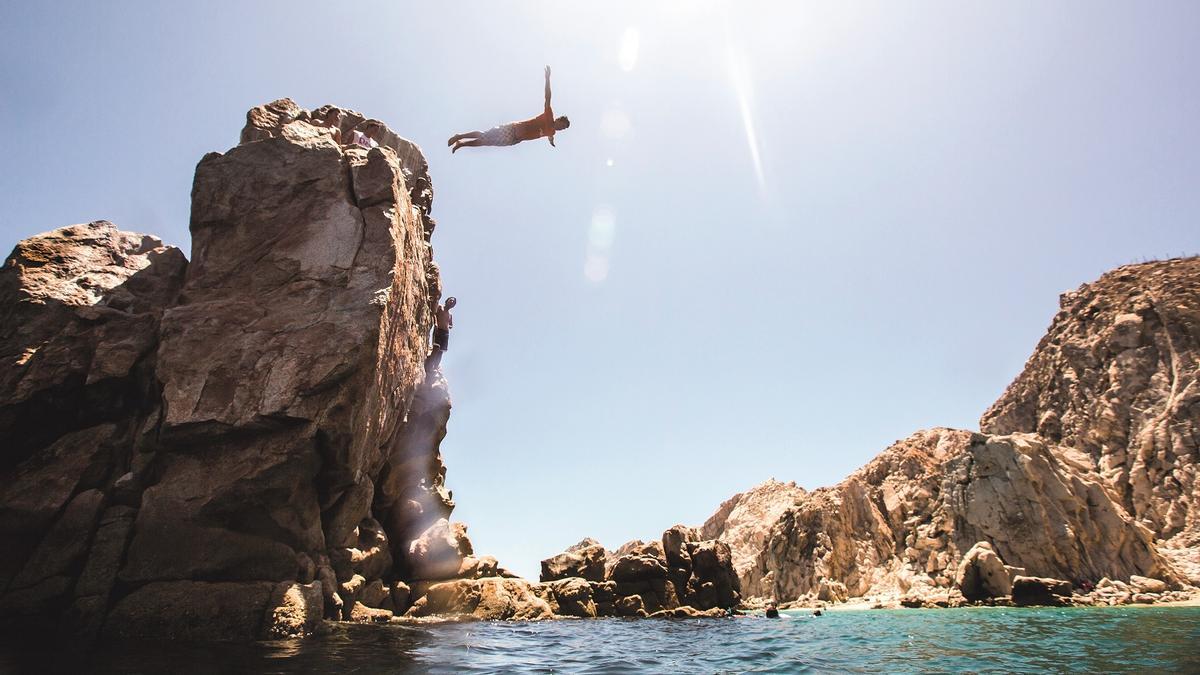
(547, 72)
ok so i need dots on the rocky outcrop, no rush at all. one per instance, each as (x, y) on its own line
(1086, 471)
(744, 522)
(680, 575)
(233, 447)
(982, 574)
(1115, 378)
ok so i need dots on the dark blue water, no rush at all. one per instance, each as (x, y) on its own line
(895, 641)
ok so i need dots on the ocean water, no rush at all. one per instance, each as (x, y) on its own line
(1125, 639)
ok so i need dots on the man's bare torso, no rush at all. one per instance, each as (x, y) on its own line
(534, 127)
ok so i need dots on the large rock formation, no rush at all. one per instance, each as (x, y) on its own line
(1116, 379)
(677, 576)
(250, 439)
(1086, 472)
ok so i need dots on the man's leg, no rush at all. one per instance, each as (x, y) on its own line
(458, 137)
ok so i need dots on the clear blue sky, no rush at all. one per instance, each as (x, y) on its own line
(776, 237)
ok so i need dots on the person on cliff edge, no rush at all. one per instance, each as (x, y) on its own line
(515, 132)
(443, 322)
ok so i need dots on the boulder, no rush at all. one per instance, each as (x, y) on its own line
(586, 563)
(360, 613)
(573, 597)
(631, 605)
(192, 610)
(294, 610)
(637, 568)
(439, 552)
(1147, 585)
(488, 599)
(1040, 591)
(982, 574)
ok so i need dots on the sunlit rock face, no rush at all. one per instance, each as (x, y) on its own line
(252, 435)
(1086, 470)
(1116, 378)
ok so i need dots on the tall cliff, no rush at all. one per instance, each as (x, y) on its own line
(1086, 469)
(252, 435)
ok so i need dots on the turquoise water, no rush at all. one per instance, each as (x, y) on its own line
(895, 641)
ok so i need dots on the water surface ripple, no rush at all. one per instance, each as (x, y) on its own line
(897, 641)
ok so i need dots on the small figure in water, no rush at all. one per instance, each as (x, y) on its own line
(443, 322)
(772, 611)
(515, 132)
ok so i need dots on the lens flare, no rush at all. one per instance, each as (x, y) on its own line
(615, 123)
(628, 55)
(741, 87)
(600, 240)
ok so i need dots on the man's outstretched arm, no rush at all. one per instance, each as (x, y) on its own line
(549, 113)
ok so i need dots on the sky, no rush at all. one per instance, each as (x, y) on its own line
(776, 238)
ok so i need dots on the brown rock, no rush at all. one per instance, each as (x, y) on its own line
(360, 613)
(439, 552)
(630, 605)
(637, 568)
(1147, 585)
(1116, 376)
(488, 599)
(108, 547)
(66, 543)
(192, 610)
(294, 610)
(982, 574)
(586, 563)
(573, 597)
(1040, 591)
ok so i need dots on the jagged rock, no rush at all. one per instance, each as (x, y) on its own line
(638, 568)
(1040, 591)
(586, 562)
(192, 610)
(674, 543)
(79, 308)
(439, 552)
(1106, 461)
(479, 567)
(266, 409)
(744, 522)
(66, 543)
(631, 605)
(982, 574)
(104, 559)
(901, 524)
(713, 582)
(401, 594)
(1115, 378)
(294, 610)
(573, 597)
(487, 599)
(360, 613)
(1147, 585)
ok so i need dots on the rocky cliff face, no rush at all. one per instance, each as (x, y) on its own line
(1116, 378)
(252, 435)
(1085, 472)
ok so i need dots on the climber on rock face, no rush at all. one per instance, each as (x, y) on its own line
(443, 322)
(515, 132)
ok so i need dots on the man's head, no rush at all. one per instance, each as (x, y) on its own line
(561, 123)
(451, 302)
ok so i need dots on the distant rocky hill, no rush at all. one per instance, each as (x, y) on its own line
(1085, 471)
